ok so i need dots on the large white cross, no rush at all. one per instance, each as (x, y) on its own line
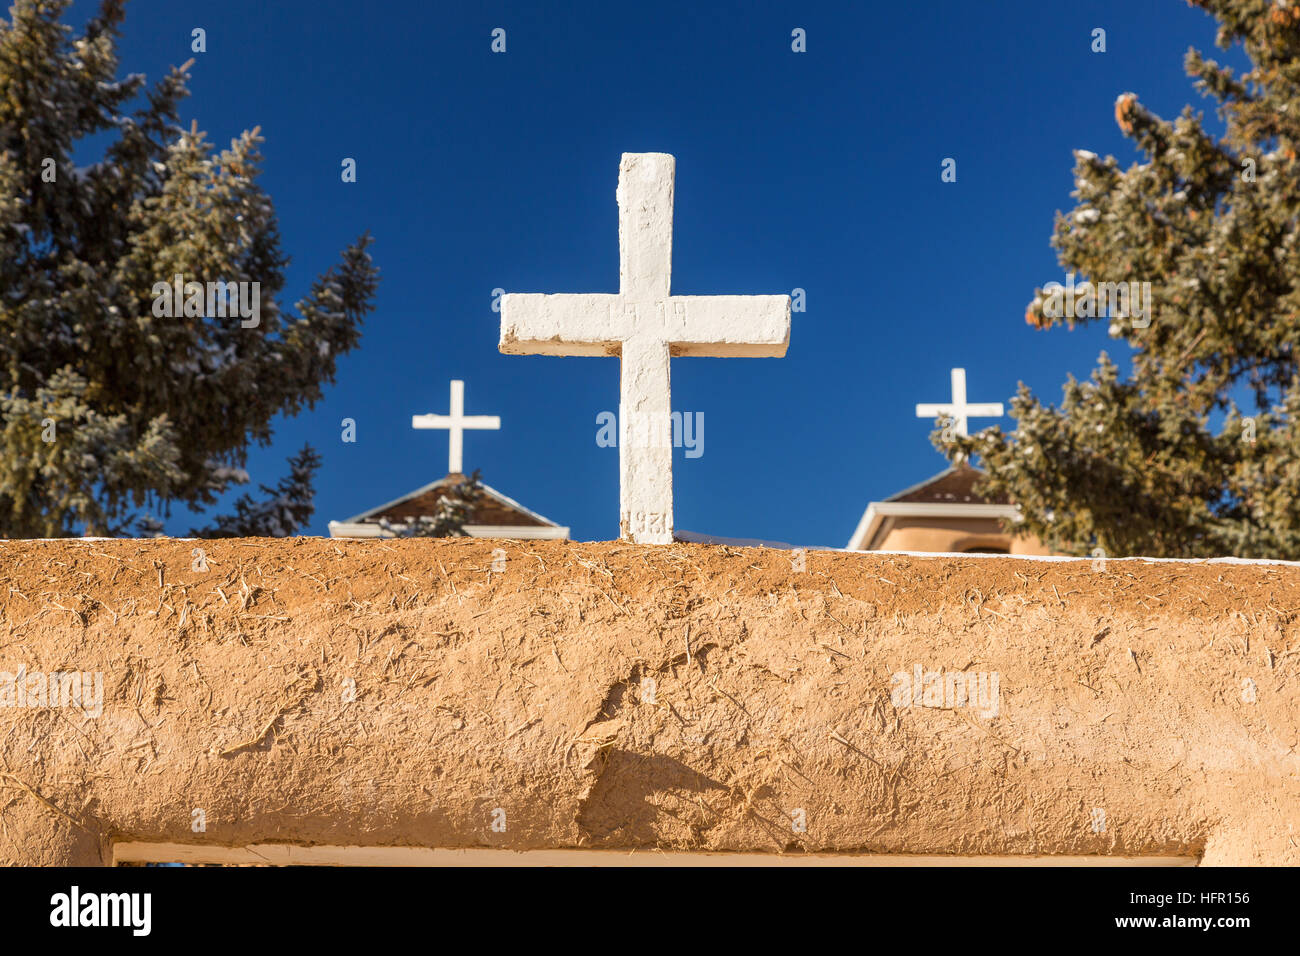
(645, 324)
(456, 423)
(958, 412)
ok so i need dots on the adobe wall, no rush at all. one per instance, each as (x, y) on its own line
(1143, 709)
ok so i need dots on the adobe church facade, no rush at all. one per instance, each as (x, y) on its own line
(942, 515)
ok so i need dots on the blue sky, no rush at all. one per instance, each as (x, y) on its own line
(818, 170)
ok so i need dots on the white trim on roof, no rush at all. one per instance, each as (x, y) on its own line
(877, 511)
(867, 524)
(521, 531)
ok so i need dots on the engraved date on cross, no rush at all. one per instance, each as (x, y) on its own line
(647, 522)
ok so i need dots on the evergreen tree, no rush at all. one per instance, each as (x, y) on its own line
(1165, 462)
(287, 508)
(108, 404)
(454, 510)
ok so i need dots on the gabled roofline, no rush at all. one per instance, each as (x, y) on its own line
(921, 484)
(388, 504)
(877, 511)
(511, 503)
(488, 489)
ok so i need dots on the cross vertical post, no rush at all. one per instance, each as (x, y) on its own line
(645, 254)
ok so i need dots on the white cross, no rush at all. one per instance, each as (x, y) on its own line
(456, 423)
(958, 412)
(645, 324)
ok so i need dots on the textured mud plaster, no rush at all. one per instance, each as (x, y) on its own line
(645, 324)
(365, 693)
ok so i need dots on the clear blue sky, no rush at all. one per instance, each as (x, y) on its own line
(818, 170)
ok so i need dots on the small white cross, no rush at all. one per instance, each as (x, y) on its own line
(645, 324)
(958, 412)
(456, 423)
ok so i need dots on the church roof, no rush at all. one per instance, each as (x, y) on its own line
(949, 494)
(954, 485)
(495, 516)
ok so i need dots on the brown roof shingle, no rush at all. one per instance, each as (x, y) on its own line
(490, 511)
(955, 485)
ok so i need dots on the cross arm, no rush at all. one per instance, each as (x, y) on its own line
(728, 326)
(489, 422)
(565, 324)
(932, 411)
